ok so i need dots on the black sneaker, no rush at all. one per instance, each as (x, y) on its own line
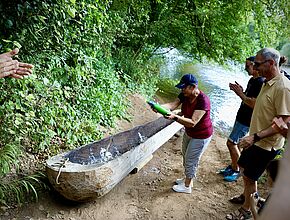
(238, 199)
(241, 199)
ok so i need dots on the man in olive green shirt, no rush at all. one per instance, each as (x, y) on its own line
(264, 141)
(274, 101)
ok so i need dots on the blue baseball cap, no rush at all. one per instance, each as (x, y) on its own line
(187, 79)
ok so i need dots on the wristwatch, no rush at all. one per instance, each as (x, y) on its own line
(256, 138)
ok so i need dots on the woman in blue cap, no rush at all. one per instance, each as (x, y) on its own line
(195, 116)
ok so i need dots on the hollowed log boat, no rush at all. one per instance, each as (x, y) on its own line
(92, 170)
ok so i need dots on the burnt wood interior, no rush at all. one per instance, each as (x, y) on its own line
(109, 148)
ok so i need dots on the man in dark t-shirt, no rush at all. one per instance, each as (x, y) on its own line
(243, 118)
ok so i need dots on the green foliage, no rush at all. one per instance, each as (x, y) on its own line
(166, 88)
(23, 189)
(215, 29)
(138, 75)
(281, 152)
(286, 51)
(74, 91)
(67, 103)
(8, 155)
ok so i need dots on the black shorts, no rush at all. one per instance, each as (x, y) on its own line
(254, 161)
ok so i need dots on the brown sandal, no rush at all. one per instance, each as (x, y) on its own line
(240, 214)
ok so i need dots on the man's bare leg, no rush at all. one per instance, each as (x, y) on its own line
(250, 187)
(235, 154)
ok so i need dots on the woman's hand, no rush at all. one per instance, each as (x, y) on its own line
(170, 116)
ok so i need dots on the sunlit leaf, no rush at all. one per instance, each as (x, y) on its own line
(72, 12)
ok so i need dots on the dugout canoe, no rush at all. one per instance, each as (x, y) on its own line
(92, 170)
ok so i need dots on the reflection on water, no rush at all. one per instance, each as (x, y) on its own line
(225, 103)
(214, 81)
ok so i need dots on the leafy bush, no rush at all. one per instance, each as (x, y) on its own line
(22, 189)
(286, 51)
(74, 91)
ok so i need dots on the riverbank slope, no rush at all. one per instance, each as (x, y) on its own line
(147, 194)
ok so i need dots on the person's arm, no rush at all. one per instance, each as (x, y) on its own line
(13, 68)
(270, 131)
(238, 89)
(172, 105)
(280, 125)
(188, 122)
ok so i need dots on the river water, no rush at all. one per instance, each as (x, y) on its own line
(214, 81)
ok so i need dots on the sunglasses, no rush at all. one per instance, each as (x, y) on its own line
(248, 67)
(257, 64)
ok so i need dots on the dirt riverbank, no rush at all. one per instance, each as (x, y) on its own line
(147, 194)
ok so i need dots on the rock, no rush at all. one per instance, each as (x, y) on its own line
(3, 208)
(41, 208)
(6, 214)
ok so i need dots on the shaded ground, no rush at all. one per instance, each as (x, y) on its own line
(148, 194)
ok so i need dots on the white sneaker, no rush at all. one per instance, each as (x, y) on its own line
(181, 181)
(182, 188)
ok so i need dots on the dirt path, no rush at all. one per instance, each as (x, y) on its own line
(148, 194)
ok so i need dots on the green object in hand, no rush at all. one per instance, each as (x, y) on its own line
(159, 108)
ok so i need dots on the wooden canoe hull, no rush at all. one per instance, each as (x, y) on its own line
(79, 182)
